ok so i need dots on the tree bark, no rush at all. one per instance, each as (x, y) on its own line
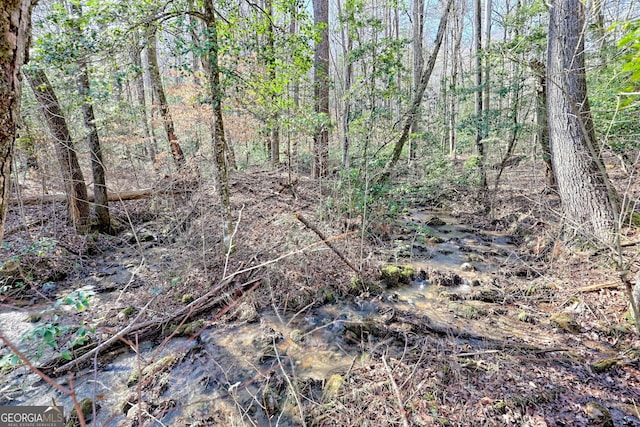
(418, 62)
(347, 47)
(321, 90)
(156, 83)
(417, 98)
(212, 66)
(150, 143)
(93, 140)
(542, 122)
(479, 108)
(587, 197)
(15, 35)
(74, 184)
(274, 126)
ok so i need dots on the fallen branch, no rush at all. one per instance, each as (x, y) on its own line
(598, 286)
(197, 306)
(112, 197)
(326, 242)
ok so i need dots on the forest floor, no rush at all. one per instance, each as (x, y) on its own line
(456, 317)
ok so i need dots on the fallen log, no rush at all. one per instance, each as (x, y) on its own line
(112, 197)
(211, 300)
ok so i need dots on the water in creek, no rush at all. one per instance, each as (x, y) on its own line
(223, 370)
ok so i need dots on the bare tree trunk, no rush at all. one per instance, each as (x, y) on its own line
(321, 90)
(479, 108)
(74, 184)
(15, 35)
(347, 47)
(418, 63)
(588, 199)
(456, 64)
(219, 143)
(93, 141)
(417, 98)
(274, 125)
(542, 123)
(156, 83)
(150, 142)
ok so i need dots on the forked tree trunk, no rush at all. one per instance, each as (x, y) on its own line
(15, 33)
(588, 199)
(74, 184)
(93, 140)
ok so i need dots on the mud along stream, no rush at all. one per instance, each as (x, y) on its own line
(263, 367)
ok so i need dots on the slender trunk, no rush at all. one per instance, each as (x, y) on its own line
(219, 143)
(15, 35)
(542, 123)
(417, 98)
(156, 83)
(74, 184)
(271, 74)
(418, 63)
(456, 63)
(479, 110)
(321, 90)
(347, 47)
(150, 144)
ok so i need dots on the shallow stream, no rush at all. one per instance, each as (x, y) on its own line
(222, 372)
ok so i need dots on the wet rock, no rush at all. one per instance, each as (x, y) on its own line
(189, 329)
(332, 387)
(161, 365)
(49, 288)
(490, 295)
(435, 222)
(467, 311)
(467, 266)
(565, 322)
(125, 313)
(246, 312)
(603, 365)
(440, 278)
(86, 406)
(394, 276)
(598, 414)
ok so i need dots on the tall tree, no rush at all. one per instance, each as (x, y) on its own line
(588, 199)
(418, 61)
(479, 98)
(93, 140)
(321, 89)
(74, 184)
(211, 65)
(15, 34)
(158, 89)
(419, 93)
(347, 47)
(274, 125)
